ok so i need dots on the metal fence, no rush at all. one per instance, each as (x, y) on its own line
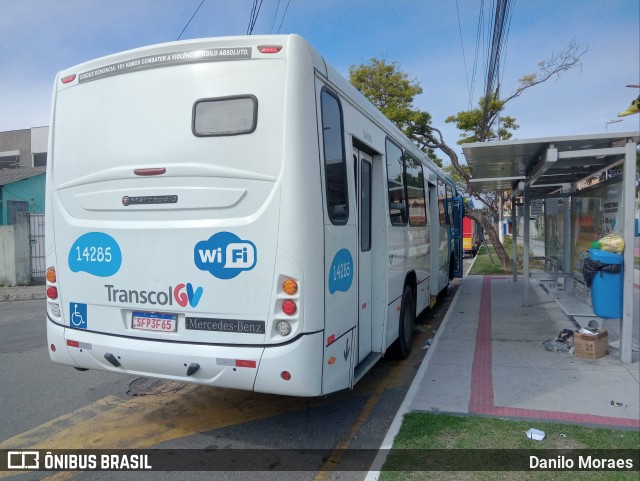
(36, 238)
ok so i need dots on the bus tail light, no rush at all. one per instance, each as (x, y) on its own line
(53, 306)
(290, 287)
(289, 307)
(51, 275)
(68, 78)
(269, 48)
(286, 320)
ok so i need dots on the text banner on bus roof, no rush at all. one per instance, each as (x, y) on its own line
(164, 60)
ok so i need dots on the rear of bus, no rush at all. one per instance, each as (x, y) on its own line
(469, 236)
(174, 247)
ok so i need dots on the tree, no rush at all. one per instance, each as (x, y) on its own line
(390, 89)
(392, 92)
(486, 124)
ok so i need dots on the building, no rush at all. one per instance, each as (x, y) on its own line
(24, 148)
(21, 190)
(23, 160)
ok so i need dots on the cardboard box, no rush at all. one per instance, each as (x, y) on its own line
(591, 346)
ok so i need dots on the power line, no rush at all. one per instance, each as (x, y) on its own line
(501, 23)
(479, 30)
(255, 11)
(284, 15)
(504, 56)
(464, 58)
(194, 14)
(273, 22)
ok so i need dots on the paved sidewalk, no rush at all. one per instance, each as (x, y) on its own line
(489, 359)
(21, 293)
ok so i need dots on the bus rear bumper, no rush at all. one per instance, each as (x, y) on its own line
(239, 367)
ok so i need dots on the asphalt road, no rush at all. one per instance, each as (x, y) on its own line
(47, 406)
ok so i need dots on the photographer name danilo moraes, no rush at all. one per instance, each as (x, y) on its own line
(584, 462)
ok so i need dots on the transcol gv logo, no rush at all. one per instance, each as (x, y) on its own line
(182, 294)
(225, 255)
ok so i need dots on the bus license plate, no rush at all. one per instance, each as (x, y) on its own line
(154, 321)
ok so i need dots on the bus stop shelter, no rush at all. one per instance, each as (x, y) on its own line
(556, 170)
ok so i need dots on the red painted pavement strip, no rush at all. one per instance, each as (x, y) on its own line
(481, 398)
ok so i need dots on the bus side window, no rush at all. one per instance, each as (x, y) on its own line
(415, 193)
(355, 176)
(395, 183)
(334, 158)
(442, 195)
(449, 205)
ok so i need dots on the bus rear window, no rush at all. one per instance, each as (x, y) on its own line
(225, 116)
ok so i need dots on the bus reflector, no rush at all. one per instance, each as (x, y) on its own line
(289, 307)
(269, 48)
(55, 308)
(68, 78)
(53, 347)
(244, 363)
(73, 343)
(332, 360)
(286, 375)
(51, 274)
(52, 292)
(290, 287)
(330, 339)
(150, 171)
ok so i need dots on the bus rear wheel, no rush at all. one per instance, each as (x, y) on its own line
(405, 324)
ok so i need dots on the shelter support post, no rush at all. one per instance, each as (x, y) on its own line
(566, 212)
(526, 237)
(514, 237)
(500, 220)
(626, 330)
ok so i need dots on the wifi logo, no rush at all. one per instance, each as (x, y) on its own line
(225, 255)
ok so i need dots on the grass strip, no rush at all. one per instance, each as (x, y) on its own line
(440, 432)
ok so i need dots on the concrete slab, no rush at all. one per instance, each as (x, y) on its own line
(567, 390)
(455, 352)
(532, 353)
(445, 387)
(460, 330)
(635, 374)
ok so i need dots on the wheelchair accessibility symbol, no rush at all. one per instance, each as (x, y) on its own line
(78, 315)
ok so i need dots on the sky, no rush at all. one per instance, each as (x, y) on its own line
(433, 41)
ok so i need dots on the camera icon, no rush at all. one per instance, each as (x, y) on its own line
(23, 460)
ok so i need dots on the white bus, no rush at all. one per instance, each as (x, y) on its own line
(232, 212)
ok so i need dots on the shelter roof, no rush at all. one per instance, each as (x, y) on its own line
(544, 163)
